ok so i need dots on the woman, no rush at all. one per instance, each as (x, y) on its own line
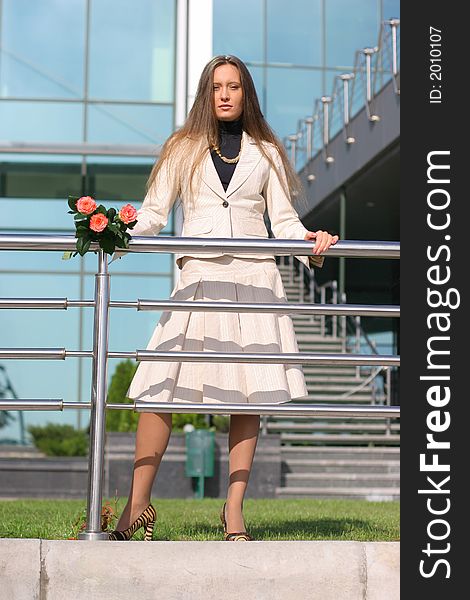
(227, 166)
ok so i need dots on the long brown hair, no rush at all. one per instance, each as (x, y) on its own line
(187, 146)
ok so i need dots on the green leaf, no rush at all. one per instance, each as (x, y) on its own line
(86, 245)
(111, 213)
(80, 217)
(83, 245)
(101, 209)
(108, 244)
(72, 202)
(115, 230)
(67, 255)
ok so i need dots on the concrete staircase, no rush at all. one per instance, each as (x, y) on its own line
(340, 472)
(336, 457)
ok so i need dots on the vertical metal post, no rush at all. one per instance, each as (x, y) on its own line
(309, 134)
(312, 288)
(346, 77)
(388, 382)
(322, 319)
(368, 54)
(293, 144)
(343, 323)
(358, 334)
(326, 100)
(335, 301)
(358, 342)
(393, 24)
(368, 76)
(326, 131)
(264, 424)
(98, 403)
(342, 235)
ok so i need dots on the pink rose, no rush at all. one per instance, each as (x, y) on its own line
(128, 213)
(98, 222)
(86, 205)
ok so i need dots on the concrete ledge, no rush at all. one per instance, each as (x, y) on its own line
(52, 570)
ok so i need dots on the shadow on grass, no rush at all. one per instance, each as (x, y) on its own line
(298, 530)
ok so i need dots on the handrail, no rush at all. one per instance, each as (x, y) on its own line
(358, 328)
(166, 244)
(365, 310)
(217, 409)
(301, 146)
(100, 353)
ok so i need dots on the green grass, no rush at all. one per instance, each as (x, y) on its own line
(197, 520)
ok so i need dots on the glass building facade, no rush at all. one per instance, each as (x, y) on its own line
(294, 50)
(103, 72)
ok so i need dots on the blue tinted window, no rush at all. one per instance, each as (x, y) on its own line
(39, 328)
(132, 50)
(238, 29)
(350, 26)
(257, 73)
(35, 214)
(391, 9)
(291, 97)
(129, 124)
(42, 51)
(41, 121)
(295, 32)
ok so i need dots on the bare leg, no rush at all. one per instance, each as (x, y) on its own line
(153, 434)
(243, 437)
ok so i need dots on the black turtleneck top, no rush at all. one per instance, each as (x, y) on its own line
(230, 135)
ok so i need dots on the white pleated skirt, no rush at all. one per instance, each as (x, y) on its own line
(225, 278)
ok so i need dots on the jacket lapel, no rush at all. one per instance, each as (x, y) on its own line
(249, 158)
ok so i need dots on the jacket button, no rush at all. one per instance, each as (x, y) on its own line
(225, 203)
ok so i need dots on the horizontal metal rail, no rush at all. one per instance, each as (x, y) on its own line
(363, 310)
(84, 148)
(43, 353)
(316, 410)
(261, 357)
(368, 310)
(349, 249)
(208, 357)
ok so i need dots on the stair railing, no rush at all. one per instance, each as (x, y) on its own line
(351, 92)
(355, 326)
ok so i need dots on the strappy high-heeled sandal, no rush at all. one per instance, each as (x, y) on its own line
(146, 519)
(236, 536)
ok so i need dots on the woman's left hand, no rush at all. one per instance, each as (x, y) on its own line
(323, 240)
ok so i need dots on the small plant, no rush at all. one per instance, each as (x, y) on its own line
(180, 420)
(221, 423)
(109, 519)
(121, 420)
(59, 440)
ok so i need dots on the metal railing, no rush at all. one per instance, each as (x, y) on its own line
(327, 295)
(100, 354)
(373, 68)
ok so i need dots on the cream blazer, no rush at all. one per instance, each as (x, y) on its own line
(237, 212)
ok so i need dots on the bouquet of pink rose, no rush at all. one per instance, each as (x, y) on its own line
(95, 223)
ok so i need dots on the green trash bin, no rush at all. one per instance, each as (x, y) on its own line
(200, 452)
